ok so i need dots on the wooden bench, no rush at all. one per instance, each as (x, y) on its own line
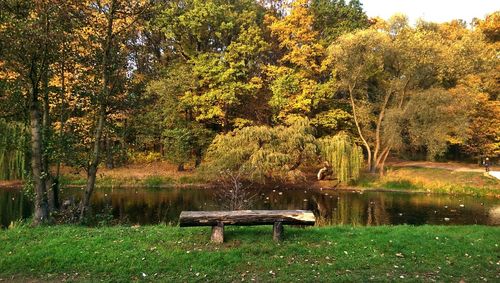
(217, 219)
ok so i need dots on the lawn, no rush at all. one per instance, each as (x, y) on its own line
(172, 254)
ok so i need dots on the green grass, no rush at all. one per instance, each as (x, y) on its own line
(172, 254)
(432, 180)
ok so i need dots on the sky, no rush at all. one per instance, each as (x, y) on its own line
(431, 10)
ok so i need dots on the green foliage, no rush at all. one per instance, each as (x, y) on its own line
(156, 181)
(182, 144)
(333, 18)
(437, 118)
(264, 152)
(343, 155)
(13, 150)
(143, 157)
(332, 121)
(223, 43)
(183, 137)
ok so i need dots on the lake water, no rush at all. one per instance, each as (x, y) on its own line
(152, 206)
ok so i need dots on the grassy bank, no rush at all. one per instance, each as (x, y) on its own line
(173, 254)
(154, 174)
(156, 181)
(433, 180)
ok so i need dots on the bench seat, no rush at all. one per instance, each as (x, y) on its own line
(217, 219)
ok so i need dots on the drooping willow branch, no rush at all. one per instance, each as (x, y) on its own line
(13, 147)
(345, 157)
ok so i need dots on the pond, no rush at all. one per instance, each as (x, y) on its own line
(152, 206)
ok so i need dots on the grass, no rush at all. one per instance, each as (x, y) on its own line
(172, 254)
(433, 180)
(153, 181)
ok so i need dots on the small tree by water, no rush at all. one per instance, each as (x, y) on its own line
(234, 192)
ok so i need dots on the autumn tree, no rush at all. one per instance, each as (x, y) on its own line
(110, 24)
(222, 44)
(31, 29)
(385, 70)
(264, 153)
(293, 78)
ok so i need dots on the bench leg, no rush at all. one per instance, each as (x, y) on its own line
(278, 231)
(218, 233)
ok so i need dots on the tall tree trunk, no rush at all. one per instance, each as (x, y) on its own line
(61, 121)
(38, 168)
(354, 113)
(41, 205)
(105, 92)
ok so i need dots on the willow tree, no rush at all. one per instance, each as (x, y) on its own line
(13, 147)
(343, 155)
(264, 153)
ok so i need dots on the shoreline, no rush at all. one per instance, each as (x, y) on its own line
(18, 185)
(442, 178)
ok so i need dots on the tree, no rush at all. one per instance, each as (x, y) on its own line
(384, 70)
(343, 155)
(356, 58)
(222, 42)
(267, 153)
(490, 26)
(437, 117)
(30, 30)
(114, 21)
(293, 79)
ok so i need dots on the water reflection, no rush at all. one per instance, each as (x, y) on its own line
(13, 205)
(149, 206)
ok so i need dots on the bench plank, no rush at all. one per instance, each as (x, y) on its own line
(246, 217)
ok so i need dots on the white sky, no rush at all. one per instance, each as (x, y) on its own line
(431, 10)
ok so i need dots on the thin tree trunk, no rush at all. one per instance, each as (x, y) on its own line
(377, 131)
(382, 164)
(365, 143)
(105, 92)
(61, 114)
(109, 153)
(379, 158)
(92, 169)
